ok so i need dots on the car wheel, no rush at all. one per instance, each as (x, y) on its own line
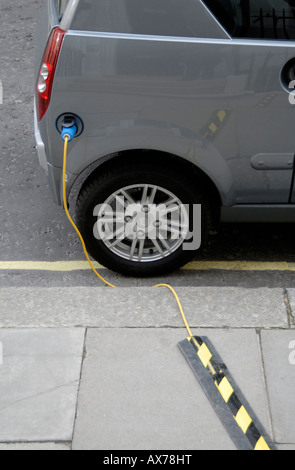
(137, 218)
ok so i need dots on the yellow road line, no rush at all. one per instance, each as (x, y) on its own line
(63, 266)
(240, 266)
(68, 266)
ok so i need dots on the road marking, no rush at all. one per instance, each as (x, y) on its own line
(62, 266)
(240, 266)
(68, 266)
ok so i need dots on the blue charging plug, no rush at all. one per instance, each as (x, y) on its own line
(69, 129)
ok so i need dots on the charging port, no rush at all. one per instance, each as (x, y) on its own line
(69, 129)
(67, 121)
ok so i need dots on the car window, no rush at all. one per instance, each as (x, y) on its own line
(265, 19)
(181, 18)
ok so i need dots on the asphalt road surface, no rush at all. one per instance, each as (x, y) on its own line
(33, 228)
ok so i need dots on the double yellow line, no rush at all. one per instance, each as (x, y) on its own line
(68, 266)
(240, 266)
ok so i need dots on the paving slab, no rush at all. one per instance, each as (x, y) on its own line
(142, 307)
(39, 380)
(291, 299)
(35, 446)
(284, 447)
(138, 392)
(278, 349)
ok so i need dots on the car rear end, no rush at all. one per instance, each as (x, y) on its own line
(50, 35)
(136, 76)
(121, 74)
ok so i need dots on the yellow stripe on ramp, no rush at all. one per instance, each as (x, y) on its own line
(204, 354)
(243, 419)
(225, 389)
(261, 444)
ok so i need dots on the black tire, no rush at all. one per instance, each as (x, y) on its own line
(135, 176)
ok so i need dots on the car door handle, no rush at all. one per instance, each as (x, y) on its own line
(273, 161)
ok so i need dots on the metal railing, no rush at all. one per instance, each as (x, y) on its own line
(278, 20)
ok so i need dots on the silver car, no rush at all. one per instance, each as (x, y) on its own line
(184, 114)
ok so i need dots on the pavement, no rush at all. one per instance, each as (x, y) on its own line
(95, 368)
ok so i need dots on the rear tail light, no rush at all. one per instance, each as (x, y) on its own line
(47, 70)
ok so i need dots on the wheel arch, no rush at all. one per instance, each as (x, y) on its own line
(193, 172)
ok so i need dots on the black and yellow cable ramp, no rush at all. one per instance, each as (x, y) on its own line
(226, 398)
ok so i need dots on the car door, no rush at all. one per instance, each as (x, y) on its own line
(259, 141)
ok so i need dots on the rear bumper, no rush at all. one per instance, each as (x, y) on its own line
(54, 174)
(40, 146)
(54, 177)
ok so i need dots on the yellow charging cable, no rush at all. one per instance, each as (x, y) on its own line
(179, 306)
(66, 141)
